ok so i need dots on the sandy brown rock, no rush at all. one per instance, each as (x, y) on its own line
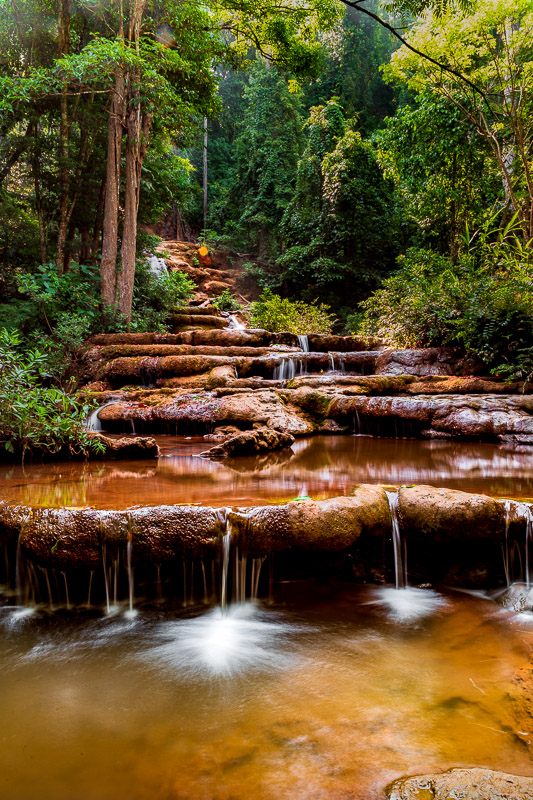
(182, 319)
(325, 343)
(125, 447)
(250, 443)
(447, 514)
(470, 784)
(334, 524)
(427, 361)
(74, 537)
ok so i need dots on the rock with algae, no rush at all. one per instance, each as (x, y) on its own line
(463, 784)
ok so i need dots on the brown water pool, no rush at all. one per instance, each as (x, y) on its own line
(324, 698)
(321, 466)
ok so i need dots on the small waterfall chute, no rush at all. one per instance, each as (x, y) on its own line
(400, 550)
(92, 423)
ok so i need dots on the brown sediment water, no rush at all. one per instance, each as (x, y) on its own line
(320, 467)
(326, 696)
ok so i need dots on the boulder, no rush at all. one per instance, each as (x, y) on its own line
(447, 514)
(126, 447)
(331, 525)
(325, 343)
(63, 537)
(427, 361)
(180, 319)
(470, 784)
(251, 443)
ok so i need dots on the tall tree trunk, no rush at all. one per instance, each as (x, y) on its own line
(205, 173)
(136, 146)
(35, 150)
(108, 264)
(98, 222)
(64, 132)
(138, 130)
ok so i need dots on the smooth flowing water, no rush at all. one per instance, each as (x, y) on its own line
(332, 696)
(321, 466)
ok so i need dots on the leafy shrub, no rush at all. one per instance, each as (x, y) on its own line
(155, 297)
(227, 302)
(483, 303)
(32, 415)
(273, 313)
(352, 323)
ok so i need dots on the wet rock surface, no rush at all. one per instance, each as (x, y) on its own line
(303, 409)
(126, 447)
(429, 361)
(251, 442)
(463, 784)
(425, 511)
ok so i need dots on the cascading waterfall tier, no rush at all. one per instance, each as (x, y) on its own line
(64, 557)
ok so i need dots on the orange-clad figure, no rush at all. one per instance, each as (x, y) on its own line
(204, 257)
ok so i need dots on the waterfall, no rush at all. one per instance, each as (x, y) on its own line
(400, 564)
(512, 549)
(529, 536)
(286, 370)
(92, 423)
(157, 266)
(332, 361)
(106, 582)
(505, 546)
(235, 324)
(129, 548)
(226, 543)
(303, 341)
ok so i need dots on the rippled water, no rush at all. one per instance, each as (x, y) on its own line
(323, 697)
(322, 466)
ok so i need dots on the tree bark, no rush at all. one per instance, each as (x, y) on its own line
(205, 173)
(138, 131)
(136, 146)
(64, 134)
(108, 264)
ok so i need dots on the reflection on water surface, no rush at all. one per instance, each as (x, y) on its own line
(325, 698)
(321, 466)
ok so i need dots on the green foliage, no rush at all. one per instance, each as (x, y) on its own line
(154, 298)
(266, 152)
(353, 55)
(340, 226)
(227, 302)
(442, 187)
(492, 48)
(273, 313)
(482, 303)
(58, 312)
(34, 416)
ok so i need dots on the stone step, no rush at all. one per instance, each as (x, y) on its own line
(182, 320)
(73, 537)
(108, 352)
(246, 337)
(149, 370)
(211, 311)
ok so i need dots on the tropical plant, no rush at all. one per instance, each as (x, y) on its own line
(482, 303)
(490, 85)
(227, 302)
(34, 416)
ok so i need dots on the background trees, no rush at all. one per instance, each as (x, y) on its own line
(322, 166)
(493, 48)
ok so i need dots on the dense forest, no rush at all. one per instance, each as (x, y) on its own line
(375, 160)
